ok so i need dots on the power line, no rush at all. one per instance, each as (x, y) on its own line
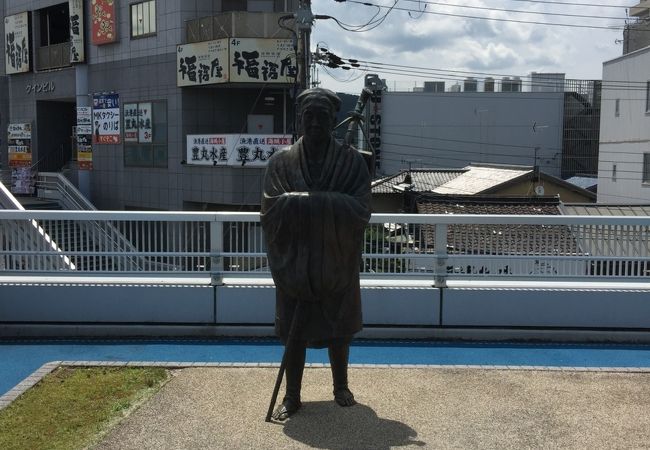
(591, 5)
(464, 16)
(468, 160)
(451, 74)
(517, 11)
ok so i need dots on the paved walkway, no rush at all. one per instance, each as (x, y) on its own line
(218, 408)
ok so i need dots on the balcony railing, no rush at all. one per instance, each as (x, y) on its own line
(397, 246)
(53, 56)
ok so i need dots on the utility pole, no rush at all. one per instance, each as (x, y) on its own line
(304, 23)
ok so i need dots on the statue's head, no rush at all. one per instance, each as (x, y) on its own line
(318, 108)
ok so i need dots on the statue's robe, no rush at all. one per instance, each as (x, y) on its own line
(314, 232)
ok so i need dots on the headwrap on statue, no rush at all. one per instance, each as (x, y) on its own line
(320, 96)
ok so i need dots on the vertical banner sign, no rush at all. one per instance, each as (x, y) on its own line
(20, 157)
(374, 116)
(130, 122)
(202, 63)
(77, 53)
(104, 26)
(106, 119)
(145, 127)
(84, 137)
(255, 60)
(17, 43)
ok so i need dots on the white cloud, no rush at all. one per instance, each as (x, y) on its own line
(454, 43)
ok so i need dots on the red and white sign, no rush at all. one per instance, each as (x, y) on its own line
(104, 25)
(235, 150)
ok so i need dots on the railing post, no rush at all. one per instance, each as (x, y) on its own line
(216, 250)
(440, 275)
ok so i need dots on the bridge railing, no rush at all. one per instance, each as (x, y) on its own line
(400, 246)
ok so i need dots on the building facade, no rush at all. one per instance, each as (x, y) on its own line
(624, 156)
(186, 99)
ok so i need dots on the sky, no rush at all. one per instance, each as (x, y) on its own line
(415, 34)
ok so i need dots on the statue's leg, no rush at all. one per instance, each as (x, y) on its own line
(339, 354)
(295, 366)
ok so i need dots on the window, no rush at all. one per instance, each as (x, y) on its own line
(613, 172)
(646, 168)
(143, 19)
(145, 134)
(647, 96)
(233, 5)
(617, 107)
(54, 24)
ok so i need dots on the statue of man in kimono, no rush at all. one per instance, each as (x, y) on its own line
(315, 207)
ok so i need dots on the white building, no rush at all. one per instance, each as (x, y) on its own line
(624, 155)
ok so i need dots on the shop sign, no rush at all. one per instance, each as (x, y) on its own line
(19, 131)
(84, 115)
(104, 25)
(202, 63)
(85, 157)
(19, 146)
(373, 121)
(77, 53)
(138, 122)
(130, 122)
(46, 86)
(17, 43)
(22, 180)
(254, 60)
(236, 60)
(106, 119)
(145, 125)
(235, 150)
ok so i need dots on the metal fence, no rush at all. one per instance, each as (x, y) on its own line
(398, 246)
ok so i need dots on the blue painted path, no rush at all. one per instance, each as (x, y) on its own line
(19, 358)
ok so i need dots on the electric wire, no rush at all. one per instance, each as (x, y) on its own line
(495, 19)
(517, 11)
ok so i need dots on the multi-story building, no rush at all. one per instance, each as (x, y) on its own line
(187, 99)
(555, 131)
(624, 155)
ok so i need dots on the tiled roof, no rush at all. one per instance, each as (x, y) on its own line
(480, 178)
(422, 180)
(499, 239)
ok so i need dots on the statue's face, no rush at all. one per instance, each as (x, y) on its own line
(317, 121)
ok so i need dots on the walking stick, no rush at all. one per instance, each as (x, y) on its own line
(283, 364)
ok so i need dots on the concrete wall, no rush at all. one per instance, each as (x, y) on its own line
(533, 305)
(624, 138)
(454, 129)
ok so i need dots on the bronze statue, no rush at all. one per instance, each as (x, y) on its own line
(315, 207)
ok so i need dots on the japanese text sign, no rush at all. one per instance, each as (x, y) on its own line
(262, 61)
(106, 119)
(236, 150)
(202, 63)
(77, 53)
(240, 60)
(17, 43)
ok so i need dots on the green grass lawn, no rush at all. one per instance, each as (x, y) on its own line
(73, 407)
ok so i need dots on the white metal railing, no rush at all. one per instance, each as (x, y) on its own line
(434, 247)
(64, 191)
